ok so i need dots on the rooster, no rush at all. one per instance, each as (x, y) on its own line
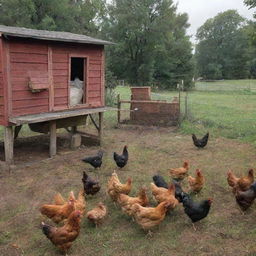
(94, 161)
(200, 143)
(121, 160)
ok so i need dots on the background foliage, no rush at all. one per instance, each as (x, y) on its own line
(152, 47)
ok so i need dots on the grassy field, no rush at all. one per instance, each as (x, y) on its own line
(151, 150)
(227, 111)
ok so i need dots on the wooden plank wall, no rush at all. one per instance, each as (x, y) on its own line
(27, 56)
(30, 55)
(61, 73)
(2, 112)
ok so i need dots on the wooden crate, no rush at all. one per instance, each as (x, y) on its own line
(141, 93)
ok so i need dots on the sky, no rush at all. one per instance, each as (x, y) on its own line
(201, 10)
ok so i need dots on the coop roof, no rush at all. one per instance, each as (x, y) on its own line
(50, 35)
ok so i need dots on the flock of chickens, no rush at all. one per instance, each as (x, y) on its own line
(168, 196)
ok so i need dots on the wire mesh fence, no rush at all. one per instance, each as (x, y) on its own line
(228, 112)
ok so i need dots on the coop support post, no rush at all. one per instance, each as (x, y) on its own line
(118, 109)
(100, 130)
(53, 139)
(8, 144)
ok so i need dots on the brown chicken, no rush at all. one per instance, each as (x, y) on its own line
(58, 213)
(245, 182)
(62, 237)
(126, 201)
(115, 187)
(149, 217)
(97, 214)
(58, 199)
(165, 195)
(181, 172)
(241, 184)
(197, 183)
(79, 203)
(231, 178)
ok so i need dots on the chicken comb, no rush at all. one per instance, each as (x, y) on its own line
(210, 200)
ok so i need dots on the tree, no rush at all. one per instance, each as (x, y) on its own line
(251, 4)
(78, 16)
(151, 45)
(222, 49)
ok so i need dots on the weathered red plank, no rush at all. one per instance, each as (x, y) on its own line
(60, 79)
(94, 80)
(61, 101)
(60, 57)
(25, 47)
(31, 103)
(29, 110)
(93, 94)
(94, 87)
(94, 66)
(94, 73)
(28, 58)
(60, 72)
(60, 66)
(27, 95)
(59, 92)
(28, 66)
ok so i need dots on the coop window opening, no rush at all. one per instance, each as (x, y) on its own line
(77, 90)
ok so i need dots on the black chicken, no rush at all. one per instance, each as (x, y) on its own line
(91, 186)
(95, 161)
(195, 210)
(121, 160)
(200, 143)
(245, 198)
(160, 182)
(178, 191)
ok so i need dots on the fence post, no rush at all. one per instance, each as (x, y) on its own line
(118, 109)
(186, 105)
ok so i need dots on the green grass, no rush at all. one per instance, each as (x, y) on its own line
(225, 108)
(224, 232)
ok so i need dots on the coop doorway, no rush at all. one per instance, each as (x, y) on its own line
(77, 90)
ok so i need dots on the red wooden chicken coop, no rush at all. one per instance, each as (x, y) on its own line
(49, 80)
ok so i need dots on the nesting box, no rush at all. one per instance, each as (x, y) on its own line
(152, 112)
(141, 93)
(38, 71)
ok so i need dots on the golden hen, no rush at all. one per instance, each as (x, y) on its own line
(58, 213)
(165, 195)
(149, 217)
(126, 201)
(62, 237)
(181, 172)
(79, 203)
(115, 187)
(97, 214)
(241, 184)
(197, 183)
